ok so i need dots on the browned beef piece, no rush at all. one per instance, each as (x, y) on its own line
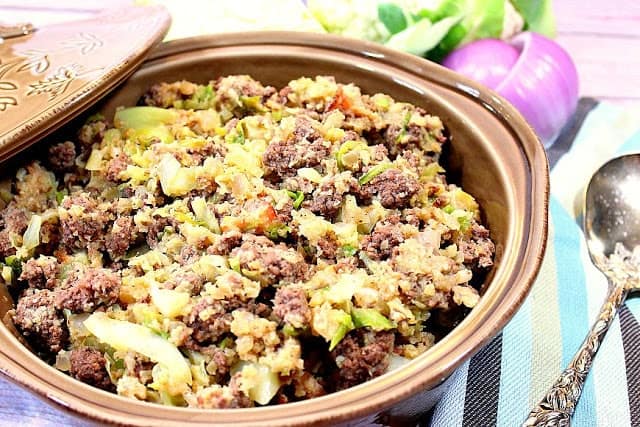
(92, 133)
(62, 156)
(209, 319)
(6, 248)
(122, 234)
(284, 214)
(216, 398)
(327, 199)
(89, 366)
(393, 188)
(14, 221)
(327, 247)
(399, 138)
(479, 250)
(275, 263)
(240, 400)
(362, 355)
(305, 148)
(79, 227)
(82, 292)
(156, 228)
(165, 95)
(117, 165)
(40, 272)
(385, 236)
(283, 95)
(209, 149)
(40, 322)
(260, 309)
(230, 87)
(49, 236)
(308, 386)
(290, 306)
(186, 282)
(188, 255)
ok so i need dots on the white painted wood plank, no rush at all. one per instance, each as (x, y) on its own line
(607, 66)
(612, 17)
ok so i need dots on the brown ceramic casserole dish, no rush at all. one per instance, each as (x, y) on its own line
(494, 155)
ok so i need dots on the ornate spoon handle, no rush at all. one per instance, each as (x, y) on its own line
(557, 406)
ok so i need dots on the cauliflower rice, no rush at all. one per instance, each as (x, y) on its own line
(231, 245)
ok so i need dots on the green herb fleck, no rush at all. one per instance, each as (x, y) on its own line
(94, 118)
(465, 222)
(225, 343)
(344, 149)
(236, 137)
(405, 125)
(298, 198)
(290, 331)
(277, 231)
(202, 99)
(234, 263)
(16, 265)
(60, 195)
(349, 250)
(373, 172)
(369, 317)
(253, 103)
(346, 325)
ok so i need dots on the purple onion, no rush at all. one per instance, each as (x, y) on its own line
(531, 71)
(487, 61)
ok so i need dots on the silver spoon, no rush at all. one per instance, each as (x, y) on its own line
(612, 230)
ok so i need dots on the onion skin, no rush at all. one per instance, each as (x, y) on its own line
(487, 61)
(542, 82)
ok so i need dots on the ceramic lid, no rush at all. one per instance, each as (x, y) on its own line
(49, 75)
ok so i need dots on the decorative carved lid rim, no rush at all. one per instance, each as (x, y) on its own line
(49, 76)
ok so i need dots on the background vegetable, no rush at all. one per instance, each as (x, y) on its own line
(432, 28)
(486, 61)
(542, 82)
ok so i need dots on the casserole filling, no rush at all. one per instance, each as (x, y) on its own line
(231, 245)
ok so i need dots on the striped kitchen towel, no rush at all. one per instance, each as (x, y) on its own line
(501, 383)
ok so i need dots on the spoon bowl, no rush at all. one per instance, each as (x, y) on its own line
(612, 206)
(611, 225)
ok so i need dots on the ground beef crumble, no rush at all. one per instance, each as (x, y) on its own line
(41, 272)
(40, 321)
(209, 320)
(393, 188)
(290, 306)
(89, 366)
(273, 263)
(119, 239)
(62, 156)
(305, 148)
(385, 237)
(362, 355)
(83, 291)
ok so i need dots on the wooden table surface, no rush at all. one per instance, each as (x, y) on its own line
(603, 37)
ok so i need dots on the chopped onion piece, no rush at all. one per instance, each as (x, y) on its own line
(397, 362)
(260, 382)
(31, 237)
(168, 301)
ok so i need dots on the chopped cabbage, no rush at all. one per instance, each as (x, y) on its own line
(123, 335)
